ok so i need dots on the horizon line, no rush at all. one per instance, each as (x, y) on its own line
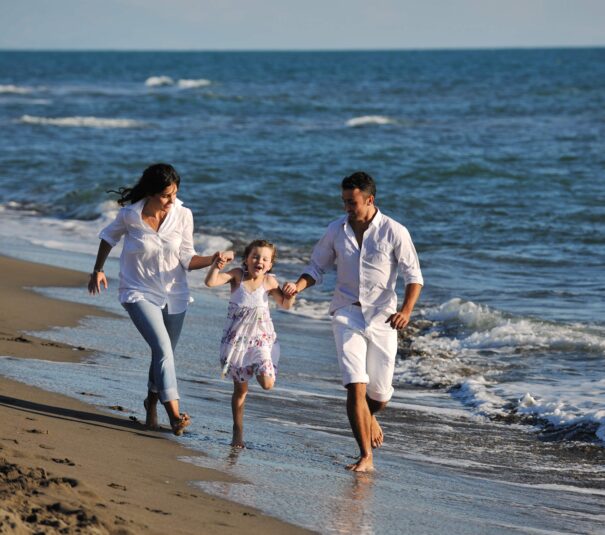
(288, 50)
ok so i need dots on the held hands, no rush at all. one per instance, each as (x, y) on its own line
(289, 290)
(399, 320)
(222, 258)
(94, 283)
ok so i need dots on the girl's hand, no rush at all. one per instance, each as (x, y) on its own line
(223, 258)
(289, 289)
(94, 283)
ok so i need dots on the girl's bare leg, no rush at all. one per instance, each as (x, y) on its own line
(265, 381)
(237, 409)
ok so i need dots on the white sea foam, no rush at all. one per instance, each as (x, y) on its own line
(81, 122)
(207, 245)
(15, 89)
(474, 392)
(182, 83)
(318, 310)
(469, 349)
(490, 329)
(368, 120)
(193, 84)
(157, 81)
(561, 488)
(580, 405)
(77, 235)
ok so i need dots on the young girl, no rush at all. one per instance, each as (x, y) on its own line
(248, 345)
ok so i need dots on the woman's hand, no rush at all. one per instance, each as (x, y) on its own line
(94, 283)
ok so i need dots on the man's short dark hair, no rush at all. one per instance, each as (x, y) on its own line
(361, 181)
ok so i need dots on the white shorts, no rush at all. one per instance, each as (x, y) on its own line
(366, 354)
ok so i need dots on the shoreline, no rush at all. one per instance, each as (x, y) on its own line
(66, 464)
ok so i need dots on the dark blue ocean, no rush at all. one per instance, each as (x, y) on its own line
(495, 162)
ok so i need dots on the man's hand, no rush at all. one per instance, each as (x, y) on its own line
(399, 320)
(289, 289)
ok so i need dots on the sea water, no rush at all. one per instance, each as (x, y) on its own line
(494, 162)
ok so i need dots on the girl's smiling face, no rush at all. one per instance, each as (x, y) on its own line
(259, 261)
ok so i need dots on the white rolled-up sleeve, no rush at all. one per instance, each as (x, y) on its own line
(407, 258)
(113, 232)
(187, 250)
(322, 257)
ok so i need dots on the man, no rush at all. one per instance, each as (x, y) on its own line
(368, 248)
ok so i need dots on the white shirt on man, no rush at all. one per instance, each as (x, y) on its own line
(153, 265)
(367, 275)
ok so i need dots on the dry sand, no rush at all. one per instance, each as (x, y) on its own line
(66, 467)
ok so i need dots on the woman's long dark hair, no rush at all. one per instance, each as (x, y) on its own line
(155, 179)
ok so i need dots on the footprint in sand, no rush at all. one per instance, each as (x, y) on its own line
(64, 461)
(158, 511)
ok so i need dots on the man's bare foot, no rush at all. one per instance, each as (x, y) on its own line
(376, 434)
(238, 438)
(364, 464)
(151, 417)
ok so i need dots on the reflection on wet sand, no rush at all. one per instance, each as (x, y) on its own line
(354, 511)
(233, 456)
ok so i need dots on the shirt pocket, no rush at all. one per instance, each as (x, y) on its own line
(380, 252)
(378, 262)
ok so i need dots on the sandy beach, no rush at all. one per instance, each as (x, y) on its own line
(68, 467)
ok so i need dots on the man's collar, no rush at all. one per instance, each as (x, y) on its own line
(377, 218)
(374, 222)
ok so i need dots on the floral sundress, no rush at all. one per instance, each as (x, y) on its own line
(248, 344)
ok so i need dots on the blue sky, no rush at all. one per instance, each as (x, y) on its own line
(299, 24)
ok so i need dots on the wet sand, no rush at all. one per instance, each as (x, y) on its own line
(66, 465)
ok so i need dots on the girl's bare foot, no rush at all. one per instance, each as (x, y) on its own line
(238, 438)
(376, 434)
(364, 464)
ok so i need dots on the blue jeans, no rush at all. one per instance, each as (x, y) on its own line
(161, 331)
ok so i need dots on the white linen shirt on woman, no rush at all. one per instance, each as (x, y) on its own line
(367, 275)
(153, 265)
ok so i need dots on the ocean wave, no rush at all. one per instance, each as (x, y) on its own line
(15, 89)
(457, 341)
(575, 416)
(369, 120)
(193, 84)
(486, 328)
(158, 81)
(182, 83)
(511, 369)
(207, 245)
(81, 122)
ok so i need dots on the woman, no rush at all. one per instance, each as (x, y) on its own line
(157, 253)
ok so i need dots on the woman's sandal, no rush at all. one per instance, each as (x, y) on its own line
(178, 426)
(151, 418)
